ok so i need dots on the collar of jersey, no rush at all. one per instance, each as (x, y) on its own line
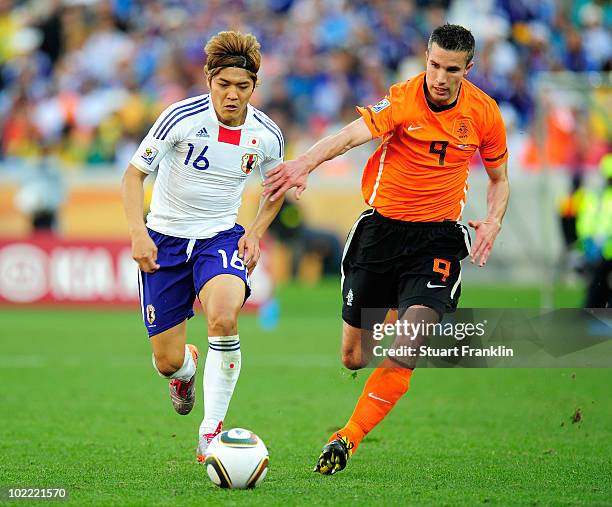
(436, 108)
(213, 115)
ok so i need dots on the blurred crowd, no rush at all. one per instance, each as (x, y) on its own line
(85, 79)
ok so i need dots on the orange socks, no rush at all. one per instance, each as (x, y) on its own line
(382, 390)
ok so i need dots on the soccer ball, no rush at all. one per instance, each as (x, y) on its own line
(237, 458)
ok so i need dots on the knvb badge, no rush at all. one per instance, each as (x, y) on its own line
(462, 128)
(149, 154)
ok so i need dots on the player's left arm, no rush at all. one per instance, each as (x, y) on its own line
(248, 245)
(497, 203)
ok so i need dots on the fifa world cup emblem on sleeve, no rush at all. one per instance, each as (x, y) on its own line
(249, 161)
(149, 154)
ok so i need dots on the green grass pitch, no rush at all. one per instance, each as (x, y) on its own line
(82, 408)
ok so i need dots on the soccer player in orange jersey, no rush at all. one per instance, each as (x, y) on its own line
(404, 252)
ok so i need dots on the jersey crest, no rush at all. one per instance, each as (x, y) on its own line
(249, 161)
(150, 314)
(462, 128)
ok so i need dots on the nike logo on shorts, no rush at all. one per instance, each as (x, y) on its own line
(413, 127)
(430, 286)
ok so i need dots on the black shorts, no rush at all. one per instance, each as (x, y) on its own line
(395, 264)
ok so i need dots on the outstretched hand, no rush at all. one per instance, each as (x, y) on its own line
(287, 175)
(486, 232)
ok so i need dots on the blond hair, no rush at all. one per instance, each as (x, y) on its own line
(232, 49)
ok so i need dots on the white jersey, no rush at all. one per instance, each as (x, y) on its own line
(203, 166)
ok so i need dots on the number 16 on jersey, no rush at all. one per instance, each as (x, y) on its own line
(200, 162)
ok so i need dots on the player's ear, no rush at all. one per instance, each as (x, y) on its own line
(207, 75)
(467, 69)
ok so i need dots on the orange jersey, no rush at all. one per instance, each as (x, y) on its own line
(419, 172)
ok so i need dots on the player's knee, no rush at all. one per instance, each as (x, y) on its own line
(352, 359)
(222, 323)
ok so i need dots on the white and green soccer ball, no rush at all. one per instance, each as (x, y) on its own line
(237, 458)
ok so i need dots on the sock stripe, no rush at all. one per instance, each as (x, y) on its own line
(225, 349)
(223, 345)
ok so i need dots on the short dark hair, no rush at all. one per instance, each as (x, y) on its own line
(453, 38)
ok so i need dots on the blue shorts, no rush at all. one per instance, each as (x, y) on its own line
(167, 296)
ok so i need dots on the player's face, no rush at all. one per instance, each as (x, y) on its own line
(231, 90)
(445, 70)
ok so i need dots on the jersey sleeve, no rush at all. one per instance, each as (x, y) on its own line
(275, 152)
(156, 143)
(493, 148)
(390, 112)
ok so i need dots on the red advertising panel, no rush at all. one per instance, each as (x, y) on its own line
(48, 270)
(45, 269)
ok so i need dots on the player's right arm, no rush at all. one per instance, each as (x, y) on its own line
(159, 141)
(144, 251)
(294, 173)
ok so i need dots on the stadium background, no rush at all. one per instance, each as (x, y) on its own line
(81, 81)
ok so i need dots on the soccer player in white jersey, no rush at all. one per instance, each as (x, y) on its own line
(203, 149)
